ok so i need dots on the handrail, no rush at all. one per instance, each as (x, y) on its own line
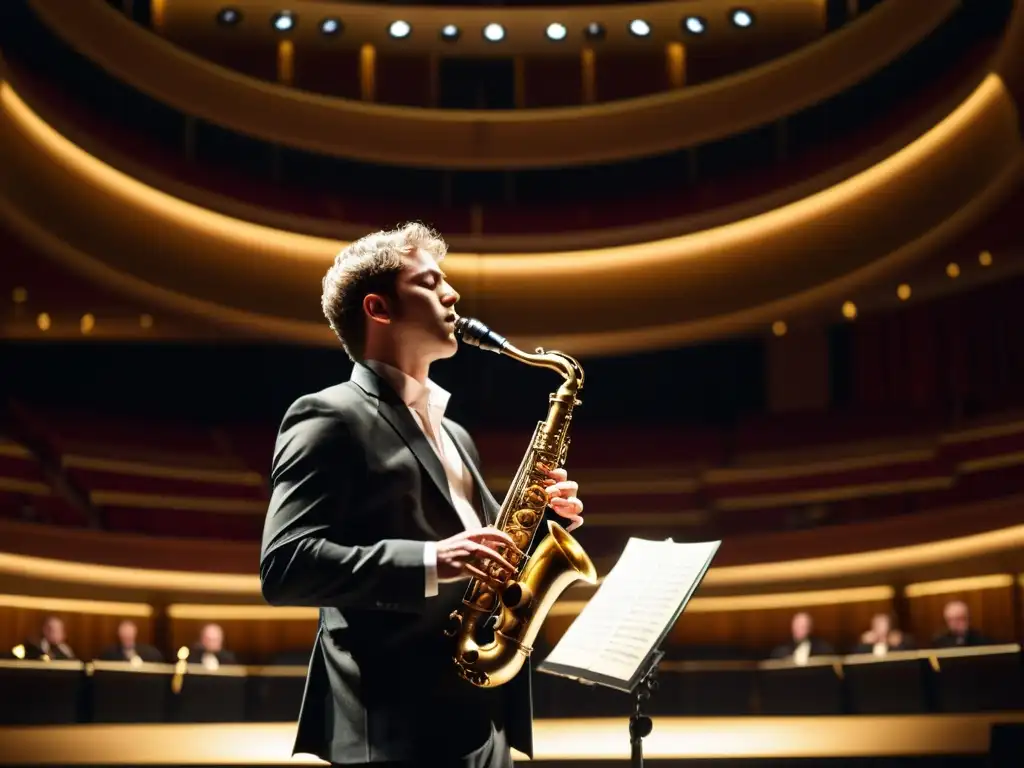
(492, 139)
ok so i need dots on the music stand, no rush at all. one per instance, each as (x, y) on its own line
(616, 639)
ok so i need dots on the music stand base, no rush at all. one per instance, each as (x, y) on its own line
(640, 725)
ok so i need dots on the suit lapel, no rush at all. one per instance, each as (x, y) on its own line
(396, 413)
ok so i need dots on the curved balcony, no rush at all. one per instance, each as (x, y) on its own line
(493, 139)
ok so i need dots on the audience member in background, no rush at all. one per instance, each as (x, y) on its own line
(210, 650)
(958, 628)
(804, 644)
(52, 645)
(883, 637)
(128, 648)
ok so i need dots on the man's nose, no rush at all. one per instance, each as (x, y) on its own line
(451, 298)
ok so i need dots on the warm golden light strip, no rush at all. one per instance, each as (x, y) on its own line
(860, 563)
(762, 602)
(14, 450)
(69, 605)
(204, 612)
(967, 584)
(164, 501)
(48, 569)
(581, 739)
(147, 469)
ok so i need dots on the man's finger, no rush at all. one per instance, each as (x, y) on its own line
(492, 534)
(485, 552)
(472, 569)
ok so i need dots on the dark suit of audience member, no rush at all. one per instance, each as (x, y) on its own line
(958, 631)
(127, 647)
(210, 651)
(883, 637)
(52, 644)
(803, 644)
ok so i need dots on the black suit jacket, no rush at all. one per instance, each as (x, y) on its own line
(357, 491)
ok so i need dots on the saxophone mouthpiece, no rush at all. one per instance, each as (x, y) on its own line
(472, 331)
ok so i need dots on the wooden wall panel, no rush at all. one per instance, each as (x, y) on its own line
(87, 633)
(992, 613)
(253, 641)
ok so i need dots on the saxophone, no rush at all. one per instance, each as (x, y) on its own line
(521, 601)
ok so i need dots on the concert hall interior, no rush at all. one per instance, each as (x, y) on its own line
(782, 238)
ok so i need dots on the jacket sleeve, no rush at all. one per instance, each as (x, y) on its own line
(308, 555)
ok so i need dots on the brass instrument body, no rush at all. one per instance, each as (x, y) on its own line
(524, 599)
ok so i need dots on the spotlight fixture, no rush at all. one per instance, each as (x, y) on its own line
(742, 18)
(556, 31)
(494, 33)
(594, 31)
(639, 27)
(399, 29)
(331, 26)
(450, 32)
(229, 16)
(695, 25)
(283, 21)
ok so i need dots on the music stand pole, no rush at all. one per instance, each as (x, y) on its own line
(640, 725)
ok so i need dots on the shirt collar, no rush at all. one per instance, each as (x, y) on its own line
(415, 395)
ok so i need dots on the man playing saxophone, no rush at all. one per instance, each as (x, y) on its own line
(379, 515)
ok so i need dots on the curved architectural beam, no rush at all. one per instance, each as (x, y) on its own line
(655, 295)
(921, 546)
(492, 139)
(524, 27)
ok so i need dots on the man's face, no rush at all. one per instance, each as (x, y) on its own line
(880, 625)
(423, 317)
(957, 619)
(801, 627)
(212, 639)
(53, 631)
(126, 633)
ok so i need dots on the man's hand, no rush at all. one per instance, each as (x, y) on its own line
(563, 498)
(464, 554)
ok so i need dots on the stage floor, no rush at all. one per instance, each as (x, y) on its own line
(557, 741)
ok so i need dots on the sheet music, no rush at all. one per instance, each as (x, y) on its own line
(632, 610)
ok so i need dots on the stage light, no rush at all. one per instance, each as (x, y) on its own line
(694, 25)
(742, 18)
(639, 27)
(449, 32)
(331, 26)
(985, 259)
(43, 321)
(399, 29)
(494, 33)
(556, 31)
(849, 310)
(594, 31)
(953, 269)
(229, 16)
(283, 21)
(779, 328)
(903, 291)
(88, 323)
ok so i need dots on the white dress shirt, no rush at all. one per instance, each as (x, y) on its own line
(427, 405)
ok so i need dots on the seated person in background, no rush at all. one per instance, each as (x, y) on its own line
(210, 651)
(958, 628)
(804, 644)
(883, 637)
(52, 645)
(128, 648)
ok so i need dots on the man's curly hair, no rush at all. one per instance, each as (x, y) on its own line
(370, 265)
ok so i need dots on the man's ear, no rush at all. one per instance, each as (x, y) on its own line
(376, 308)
